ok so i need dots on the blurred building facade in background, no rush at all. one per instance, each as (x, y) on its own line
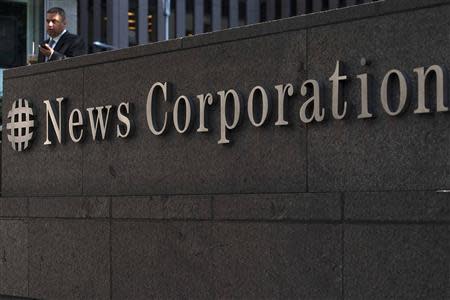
(114, 24)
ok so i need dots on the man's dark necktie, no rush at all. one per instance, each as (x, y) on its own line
(51, 43)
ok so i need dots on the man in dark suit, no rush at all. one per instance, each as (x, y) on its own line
(61, 43)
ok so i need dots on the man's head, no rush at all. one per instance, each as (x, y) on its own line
(56, 21)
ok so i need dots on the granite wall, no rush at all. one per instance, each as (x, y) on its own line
(339, 209)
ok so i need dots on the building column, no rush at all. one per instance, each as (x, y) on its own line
(117, 14)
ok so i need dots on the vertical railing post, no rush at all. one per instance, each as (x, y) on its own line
(167, 8)
(142, 22)
(180, 15)
(234, 13)
(160, 20)
(317, 5)
(123, 24)
(252, 11)
(97, 21)
(333, 4)
(109, 22)
(301, 7)
(117, 11)
(216, 15)
(286, 8)
(270, 11)
(84, 21)
(199, 10)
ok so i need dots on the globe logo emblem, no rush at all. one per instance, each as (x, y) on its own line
(20, 125)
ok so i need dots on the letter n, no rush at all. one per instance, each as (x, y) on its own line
(55, 124)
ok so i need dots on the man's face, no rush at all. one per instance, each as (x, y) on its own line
(55, 25)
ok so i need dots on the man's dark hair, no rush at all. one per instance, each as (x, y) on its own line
(57, 10)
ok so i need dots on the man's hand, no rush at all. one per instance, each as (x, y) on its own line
(46, 50)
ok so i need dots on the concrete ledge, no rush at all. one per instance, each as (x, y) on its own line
(69, 207)
(6, 297)
(349, 207)
(397, 206)
(162, 207)
(305, 207)
(13, 207)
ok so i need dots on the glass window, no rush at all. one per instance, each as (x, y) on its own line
(21, 24)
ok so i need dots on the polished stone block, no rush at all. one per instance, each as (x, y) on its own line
(43, 169)
(285, 261)
(225, 260)
(406, 152)
(267, 159)
(69, 259)
(13, 258)
(161, 260)
(396, 261)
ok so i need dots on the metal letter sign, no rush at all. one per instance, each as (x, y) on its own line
(185, 112)
(20, 125)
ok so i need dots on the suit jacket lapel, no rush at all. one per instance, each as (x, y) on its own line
(60, 42)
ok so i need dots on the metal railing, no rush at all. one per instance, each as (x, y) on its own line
(120, 23)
